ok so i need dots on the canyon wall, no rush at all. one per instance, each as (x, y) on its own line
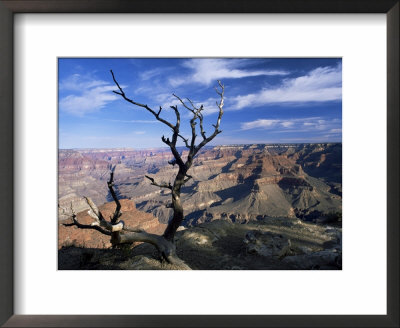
(240, 183)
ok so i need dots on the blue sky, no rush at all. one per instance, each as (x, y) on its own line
(274, 100)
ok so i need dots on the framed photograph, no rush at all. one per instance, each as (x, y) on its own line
(302, 91)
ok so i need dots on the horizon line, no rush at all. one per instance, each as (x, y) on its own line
(206, 146)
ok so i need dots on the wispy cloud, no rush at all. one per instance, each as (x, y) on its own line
(152, 73)
(309, 124)
(207, 71)
(85, 94)
(257, 124)
(177, 81)
(78, 82)
(319, 85)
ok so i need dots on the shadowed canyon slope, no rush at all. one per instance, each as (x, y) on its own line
(239, 183)
(266, 244)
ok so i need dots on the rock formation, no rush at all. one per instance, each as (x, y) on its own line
(237, 182)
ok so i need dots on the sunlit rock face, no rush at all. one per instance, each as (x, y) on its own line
(240, 183)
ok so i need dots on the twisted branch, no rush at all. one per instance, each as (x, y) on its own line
(156, 115)
(174, 128)
(216, 126)
(162, 185)
(85, 226)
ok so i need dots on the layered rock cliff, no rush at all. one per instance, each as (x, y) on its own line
(241, 183)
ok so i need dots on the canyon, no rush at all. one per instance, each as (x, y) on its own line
(241, 202)
(238, 182)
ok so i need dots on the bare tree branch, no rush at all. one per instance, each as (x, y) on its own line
(165, 248)
(177, 125)
(175, 128)
(172, 162)
(129, 235)
(188, 177)
(193, 110)
(173, 150)
(216, 126)
(193, 106)
(196, 113)
(200, 115)
(156, 115)
(186, 141)
(193, 127)
(85, 226)
(98, 216)
(99, 219)
(162, 185)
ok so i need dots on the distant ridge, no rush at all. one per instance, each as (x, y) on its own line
(292, 144)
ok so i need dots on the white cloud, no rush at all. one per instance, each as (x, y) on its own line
(176, 81)
(89, 101)
(309, 124)
(265, 124)
(87, 95)
(207, 71)
(287, 124)
(153, 73)
(321, 84)
(147, 75)
(78, 82)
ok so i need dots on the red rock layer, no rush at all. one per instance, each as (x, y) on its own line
(73, 236)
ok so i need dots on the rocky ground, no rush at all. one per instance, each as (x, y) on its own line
(267, 244)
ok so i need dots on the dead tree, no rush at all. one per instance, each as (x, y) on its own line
(165, 244)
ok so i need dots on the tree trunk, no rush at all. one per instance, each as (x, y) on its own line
(177, 219)
(178, 216)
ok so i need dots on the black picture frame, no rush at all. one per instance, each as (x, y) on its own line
(10, 7)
